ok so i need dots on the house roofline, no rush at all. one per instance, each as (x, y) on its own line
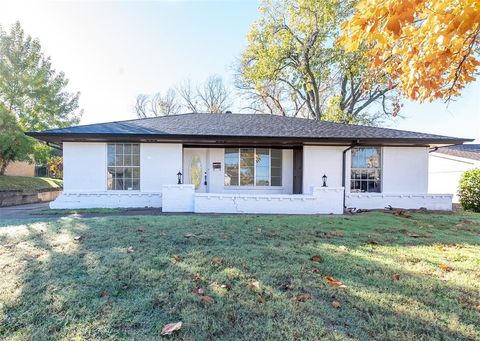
(222, 140)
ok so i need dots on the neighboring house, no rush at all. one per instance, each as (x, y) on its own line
(446, 166)
(244, 163)
(20, 168)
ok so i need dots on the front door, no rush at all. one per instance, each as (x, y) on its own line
(297, 170)
(194, 167)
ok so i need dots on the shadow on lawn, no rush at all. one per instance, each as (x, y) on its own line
(94, 288)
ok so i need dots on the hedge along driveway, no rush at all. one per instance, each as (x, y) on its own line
(129, 276)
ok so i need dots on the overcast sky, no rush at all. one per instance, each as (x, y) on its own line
(111, 51)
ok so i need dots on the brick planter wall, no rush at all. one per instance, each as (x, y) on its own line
(12, 198)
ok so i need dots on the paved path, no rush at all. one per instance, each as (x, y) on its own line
(31, 211)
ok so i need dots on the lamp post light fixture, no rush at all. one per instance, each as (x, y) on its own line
(179, 176)
(324, 178)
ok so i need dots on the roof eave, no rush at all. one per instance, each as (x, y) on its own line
(217, 140)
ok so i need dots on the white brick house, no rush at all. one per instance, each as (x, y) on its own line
(242, 163)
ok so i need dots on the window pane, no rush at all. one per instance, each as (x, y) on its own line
(247, 166)
(231, 167)
(120, 173)
(262, 181)
(276, 180)
(111, 154)
(276, 167)
(365, 169)
(136, 149)
(262, 157)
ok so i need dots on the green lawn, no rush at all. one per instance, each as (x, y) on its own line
(27, 183)
(412, 278)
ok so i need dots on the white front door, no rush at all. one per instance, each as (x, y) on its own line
(195, 167)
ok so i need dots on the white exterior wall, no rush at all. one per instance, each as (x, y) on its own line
(320, 160)
(445, 171)
(405, 170)
(85, 176)
(84, 167)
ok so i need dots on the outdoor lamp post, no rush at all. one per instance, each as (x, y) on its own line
(324, 178)
(179, 176)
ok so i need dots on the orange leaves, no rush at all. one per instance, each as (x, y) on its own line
(316, 258)
(445, 267)
(170, 328)
(336, 304)
(207, 300)
(304, 297)
(334, 282)
(396, 277)
(427, 46)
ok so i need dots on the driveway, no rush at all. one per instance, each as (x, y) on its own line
(38, 210)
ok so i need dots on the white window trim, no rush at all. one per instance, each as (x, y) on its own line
(120, 191)
(255, 186)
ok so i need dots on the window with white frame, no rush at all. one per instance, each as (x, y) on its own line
(253, 167)
(123, 172)
(366, 169)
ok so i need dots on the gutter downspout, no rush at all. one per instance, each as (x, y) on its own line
(344, 161)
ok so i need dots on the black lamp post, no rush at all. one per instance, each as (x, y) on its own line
(324, 178)
(179, 176)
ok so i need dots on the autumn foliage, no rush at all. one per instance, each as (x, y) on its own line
(430, 46)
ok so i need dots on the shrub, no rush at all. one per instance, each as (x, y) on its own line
(469, 191)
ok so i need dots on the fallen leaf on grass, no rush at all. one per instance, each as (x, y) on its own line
(177, 258)
(188, 235)
(77, 238)
(199, 291)
(372, 242)
(336, 304)
(418, 235)
(226, 286)
(206, 300)
(258, 230)
(255, 285)
(261, 299)
(343, 248)
(334, 282)
(304, 297)
(170, 328)
(316, 258)
(336, 233)
(217, 260)
(141, 229)
(271, 234)
(441, 248)
(402, 213)
(104, 293)
(396, 277)
(445, 267)
(316, 270)
(130, 249)
(468, 222)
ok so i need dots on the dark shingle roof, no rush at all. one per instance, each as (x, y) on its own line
(467, 151)
(239, 125)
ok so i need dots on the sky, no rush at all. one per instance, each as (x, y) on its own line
(112, 51)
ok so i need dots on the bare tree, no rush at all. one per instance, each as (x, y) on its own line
(213, 95)
(141, 106)
(188, 95)
(165, 105)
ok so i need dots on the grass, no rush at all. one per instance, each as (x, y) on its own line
(254, 268)
(28, 183)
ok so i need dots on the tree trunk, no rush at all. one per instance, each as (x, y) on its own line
(3, 167)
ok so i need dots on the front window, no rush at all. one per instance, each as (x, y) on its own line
(123, 166)
(366, 170)
(253, 167)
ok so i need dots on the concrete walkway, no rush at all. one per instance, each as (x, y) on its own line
(39, 210)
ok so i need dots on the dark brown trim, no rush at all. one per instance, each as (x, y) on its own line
(223, 141)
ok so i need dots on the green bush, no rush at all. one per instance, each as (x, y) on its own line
(469, 192)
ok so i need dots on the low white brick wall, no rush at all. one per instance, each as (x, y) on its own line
(323, 200)
(178, 198)
(107, 200)
(408, 201)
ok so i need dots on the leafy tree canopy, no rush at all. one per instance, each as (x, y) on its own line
(30, 87)
(292, 66)
(430, 46)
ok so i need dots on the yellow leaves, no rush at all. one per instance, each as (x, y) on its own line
(428, 46)
(334, 282)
